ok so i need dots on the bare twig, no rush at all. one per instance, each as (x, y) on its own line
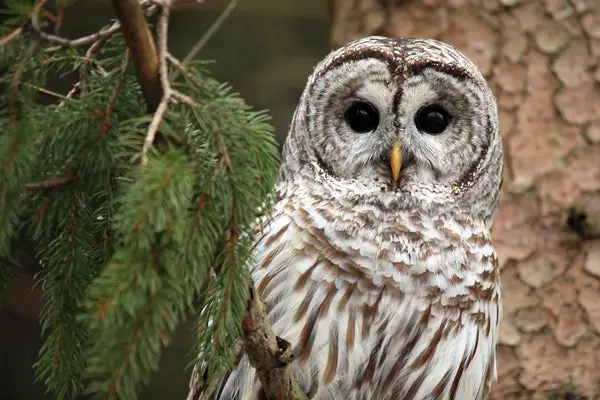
(59, 18)
(94, 48)
(70, 95)
(63, 43)
(209, 33)
(163, 35)
(49, 183)
(153, 128)
(163, 31)
(94, 38)
(177, 65)
(183, 3)
(180, 97)
(13, 35)
(47, 92)
(169, 94)
(174, 60)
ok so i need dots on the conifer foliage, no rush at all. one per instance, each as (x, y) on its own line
(138, 218)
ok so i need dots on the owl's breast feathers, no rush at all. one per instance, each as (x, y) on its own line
(379, 306)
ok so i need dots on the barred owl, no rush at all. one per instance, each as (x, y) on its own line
(377, 262)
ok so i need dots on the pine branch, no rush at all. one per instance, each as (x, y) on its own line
(133, 321)
(73, 165)
(68, 255)
(65, 224)
(237, 152)
(16, 82)
(16, 154)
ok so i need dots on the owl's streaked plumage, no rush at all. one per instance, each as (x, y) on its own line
(387, 283)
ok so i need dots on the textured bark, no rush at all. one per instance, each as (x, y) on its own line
(142, 49)
(270, 355)
(542, 59)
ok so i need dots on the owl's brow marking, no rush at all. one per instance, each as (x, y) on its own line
(417, 68)
(358, 55)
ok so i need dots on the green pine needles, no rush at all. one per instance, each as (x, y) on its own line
(129, 243)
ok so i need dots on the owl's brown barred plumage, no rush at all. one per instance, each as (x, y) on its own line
(377, 261)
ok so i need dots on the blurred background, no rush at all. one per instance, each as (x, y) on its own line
(542, 59)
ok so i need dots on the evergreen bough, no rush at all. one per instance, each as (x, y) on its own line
(130, 240)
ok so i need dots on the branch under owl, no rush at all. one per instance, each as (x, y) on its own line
(270, 355)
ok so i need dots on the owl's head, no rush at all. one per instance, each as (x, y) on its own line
(404, 123)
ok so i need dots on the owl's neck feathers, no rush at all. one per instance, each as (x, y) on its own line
(403, 251)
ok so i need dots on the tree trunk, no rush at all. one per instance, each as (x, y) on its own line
(542, 59)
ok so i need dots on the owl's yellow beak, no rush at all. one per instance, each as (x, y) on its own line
(396, 162)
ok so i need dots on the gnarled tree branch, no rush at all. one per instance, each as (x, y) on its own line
(143, 51)
(270, 355)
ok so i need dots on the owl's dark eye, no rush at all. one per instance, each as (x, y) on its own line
(432, 119)
(362, 117)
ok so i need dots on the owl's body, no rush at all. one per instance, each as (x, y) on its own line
(376, 261)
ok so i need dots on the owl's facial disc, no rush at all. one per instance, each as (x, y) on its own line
(372, 125)
(409, 122)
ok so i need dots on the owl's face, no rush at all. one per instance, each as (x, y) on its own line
(408, 119)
